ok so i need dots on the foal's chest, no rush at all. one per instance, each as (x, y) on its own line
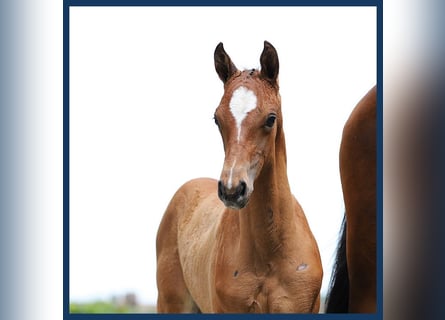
(244, 291)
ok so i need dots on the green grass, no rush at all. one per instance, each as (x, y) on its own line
(122, 303)
(98, 307)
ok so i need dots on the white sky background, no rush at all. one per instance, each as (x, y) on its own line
(143, 90)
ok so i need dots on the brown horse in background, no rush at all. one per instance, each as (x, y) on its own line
(240, 244)
(353, 283)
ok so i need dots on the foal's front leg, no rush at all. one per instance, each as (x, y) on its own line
(173, 295)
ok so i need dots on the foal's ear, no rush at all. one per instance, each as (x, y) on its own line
(223, 64)
(269, 63)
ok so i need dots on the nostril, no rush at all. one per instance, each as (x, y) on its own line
(235, 198)
(242, 188)
(220, 189)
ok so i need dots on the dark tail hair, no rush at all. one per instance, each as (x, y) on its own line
(338, 295)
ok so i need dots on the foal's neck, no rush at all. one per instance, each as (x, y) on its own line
(266, 223)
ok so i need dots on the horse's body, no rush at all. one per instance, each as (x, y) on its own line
(353, 285)
(223, 247)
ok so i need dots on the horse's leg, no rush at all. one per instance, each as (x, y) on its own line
(173, 295)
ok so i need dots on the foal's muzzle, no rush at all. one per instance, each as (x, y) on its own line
(234, 198)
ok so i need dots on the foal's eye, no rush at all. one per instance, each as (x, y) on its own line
(216, 120)
(270, 120)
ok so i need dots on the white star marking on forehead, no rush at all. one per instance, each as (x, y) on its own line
(242, 102)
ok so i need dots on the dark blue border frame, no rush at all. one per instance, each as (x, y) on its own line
(66, 148)
(66, 158)
(312, 3)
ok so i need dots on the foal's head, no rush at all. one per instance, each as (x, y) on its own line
(248, 117)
